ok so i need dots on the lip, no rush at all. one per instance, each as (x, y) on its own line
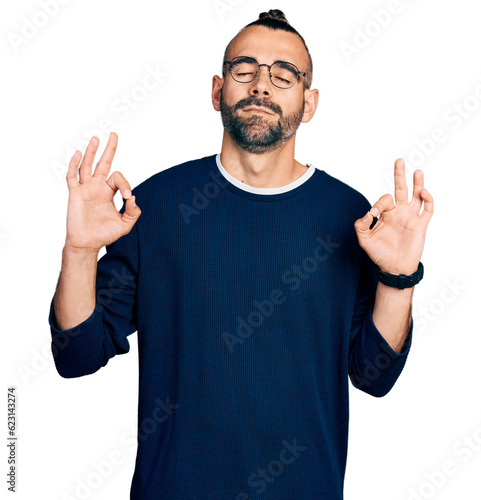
(257, 110)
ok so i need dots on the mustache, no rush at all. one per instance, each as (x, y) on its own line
(260, 102)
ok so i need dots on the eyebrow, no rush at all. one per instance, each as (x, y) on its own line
(244, 58)
(282, 63)
(285, 64)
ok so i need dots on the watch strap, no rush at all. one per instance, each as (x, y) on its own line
(402, 281)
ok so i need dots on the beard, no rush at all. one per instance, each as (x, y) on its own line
(254, 133)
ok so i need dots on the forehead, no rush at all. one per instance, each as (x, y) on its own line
(267, 46)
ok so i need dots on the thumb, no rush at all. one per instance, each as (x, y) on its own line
(132, 212)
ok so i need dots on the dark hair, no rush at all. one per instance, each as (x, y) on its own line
(275, 20)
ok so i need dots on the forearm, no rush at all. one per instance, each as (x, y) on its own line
(392, 314)
(74, 299)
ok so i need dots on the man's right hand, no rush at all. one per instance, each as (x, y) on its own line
(93, 220)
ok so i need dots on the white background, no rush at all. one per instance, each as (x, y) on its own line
(418, 71)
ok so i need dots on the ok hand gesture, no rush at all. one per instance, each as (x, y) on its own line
(395, 243)
(93, 220)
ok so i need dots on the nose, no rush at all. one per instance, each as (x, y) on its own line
(262, 83)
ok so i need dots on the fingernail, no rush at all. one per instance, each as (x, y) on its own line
(366, 217)
(374, 211)
(127, 193)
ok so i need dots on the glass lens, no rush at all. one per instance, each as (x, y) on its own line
(284, 74)
(244, 69)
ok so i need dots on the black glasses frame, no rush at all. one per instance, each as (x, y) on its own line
(269, 67)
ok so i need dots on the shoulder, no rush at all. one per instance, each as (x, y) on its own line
(338, 192)
(176, 179)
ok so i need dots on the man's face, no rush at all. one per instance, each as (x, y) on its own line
(258, 116)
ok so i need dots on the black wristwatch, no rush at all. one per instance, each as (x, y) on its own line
(402, 281)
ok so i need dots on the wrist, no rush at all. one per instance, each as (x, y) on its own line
(402, 280)
(77, 254)
(407, 270)
(393, 291)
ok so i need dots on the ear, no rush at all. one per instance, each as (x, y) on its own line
(311, 100)
(217, 84)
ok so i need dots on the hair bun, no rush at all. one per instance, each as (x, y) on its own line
(274, 14)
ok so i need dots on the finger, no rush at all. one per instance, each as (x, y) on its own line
(363, 224)
(400, 186)
(72, 179)
(118, 181)
(384, 204)
(105, 162)
(85, 170)
(132, 212)
(428, 200)
(418, 180)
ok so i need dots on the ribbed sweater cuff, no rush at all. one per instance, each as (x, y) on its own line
(78, 350)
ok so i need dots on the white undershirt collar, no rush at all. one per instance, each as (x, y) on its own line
(276, 190)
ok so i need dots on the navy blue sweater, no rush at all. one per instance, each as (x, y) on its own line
(252, 313)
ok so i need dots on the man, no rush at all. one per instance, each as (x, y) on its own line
(258, 286)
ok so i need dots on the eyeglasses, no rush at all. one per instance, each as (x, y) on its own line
(245, 69)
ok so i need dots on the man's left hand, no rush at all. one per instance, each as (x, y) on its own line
(395, 243)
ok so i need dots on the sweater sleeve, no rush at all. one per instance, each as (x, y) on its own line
(85, 348)
(373, 365)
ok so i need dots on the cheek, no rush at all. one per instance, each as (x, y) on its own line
(233, 93)
(290, 106)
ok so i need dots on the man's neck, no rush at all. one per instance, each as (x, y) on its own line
(275, 169)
